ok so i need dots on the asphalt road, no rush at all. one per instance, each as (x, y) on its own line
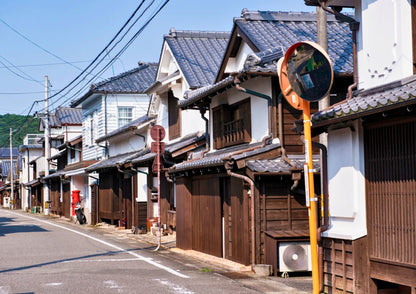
(45, 256)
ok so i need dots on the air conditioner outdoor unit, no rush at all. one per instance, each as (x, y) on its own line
(294, 256)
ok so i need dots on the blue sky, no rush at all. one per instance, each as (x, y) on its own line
(78, 30)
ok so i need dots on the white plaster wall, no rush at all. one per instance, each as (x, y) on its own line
(346, 183)
(235, 64)
(259, 109)
(384, 41)
(125, 143)
(192, 122)
(142, 185)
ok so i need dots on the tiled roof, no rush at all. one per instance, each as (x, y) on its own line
(279, 165)
(169, 148)
(65, 115)
(192, 97)
(264, 61)
(5, 168)
(267, 29)
(68, 115)
(5, 152)
(136, 80)
(371, 101)
(125, 128)
(198, 54)
(216, 158)
(112, 161)
(30, 146)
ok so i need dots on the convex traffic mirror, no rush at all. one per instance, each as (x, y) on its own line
(306, 73)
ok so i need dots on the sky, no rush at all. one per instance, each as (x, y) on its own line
(60, 39)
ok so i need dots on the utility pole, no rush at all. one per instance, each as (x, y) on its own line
(47, 147)
(11, 169)
(323, 41)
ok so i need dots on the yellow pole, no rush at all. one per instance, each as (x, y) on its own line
(312, 199)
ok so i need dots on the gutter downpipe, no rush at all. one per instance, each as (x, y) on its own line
(237, 83)
(324, 226)
(251, 183)
(354, 26)
(207, 142)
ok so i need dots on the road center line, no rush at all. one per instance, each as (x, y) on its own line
(145, 259)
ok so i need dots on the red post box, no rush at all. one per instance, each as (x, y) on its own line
(75, 200)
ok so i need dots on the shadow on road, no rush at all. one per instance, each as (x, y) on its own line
(109, 253)
(7, 228)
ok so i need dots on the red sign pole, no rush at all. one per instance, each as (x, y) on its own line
(158, 134)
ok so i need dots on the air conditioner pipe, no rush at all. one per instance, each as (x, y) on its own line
(354, 26)
(252, 214)
(325, 225)
(237, 83)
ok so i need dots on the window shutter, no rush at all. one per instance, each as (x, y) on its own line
(245, 113)
(174, 117)
(218, 123)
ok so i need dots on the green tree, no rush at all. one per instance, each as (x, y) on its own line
(21, 124)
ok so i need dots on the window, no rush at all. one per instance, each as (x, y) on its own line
(232, 124)
(125, 115)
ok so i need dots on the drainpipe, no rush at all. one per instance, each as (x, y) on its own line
(237, 83)
(354, 26)
(251, 183)
(207, 142)
(325, 225)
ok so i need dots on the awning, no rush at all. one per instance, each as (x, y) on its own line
(33, 183)
(76, 172)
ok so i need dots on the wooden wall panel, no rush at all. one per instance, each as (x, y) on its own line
(390, 169)
(183, 214)
(206, 216)
(240, 241)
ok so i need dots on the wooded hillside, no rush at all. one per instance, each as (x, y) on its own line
(14, 121)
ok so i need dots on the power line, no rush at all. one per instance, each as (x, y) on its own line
(28, 77)
(37, 45)
(98, 56)
(47, 64)
(155, 13)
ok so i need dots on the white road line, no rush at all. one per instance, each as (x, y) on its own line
(145, 259)
(176, 288)
(102, 260)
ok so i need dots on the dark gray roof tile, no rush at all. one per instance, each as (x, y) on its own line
(375, 99)
(199, 54)
(216, 158)
(279, 165)
(133, 81)
(267, 29)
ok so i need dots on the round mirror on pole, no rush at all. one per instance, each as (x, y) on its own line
(305, 73)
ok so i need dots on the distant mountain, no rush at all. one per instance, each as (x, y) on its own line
(26, 125)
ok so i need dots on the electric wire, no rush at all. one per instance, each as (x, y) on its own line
(28, 77)
(112, 60)
(155, 13)
(97, 57)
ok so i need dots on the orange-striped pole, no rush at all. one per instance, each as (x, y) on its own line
(312, 209)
